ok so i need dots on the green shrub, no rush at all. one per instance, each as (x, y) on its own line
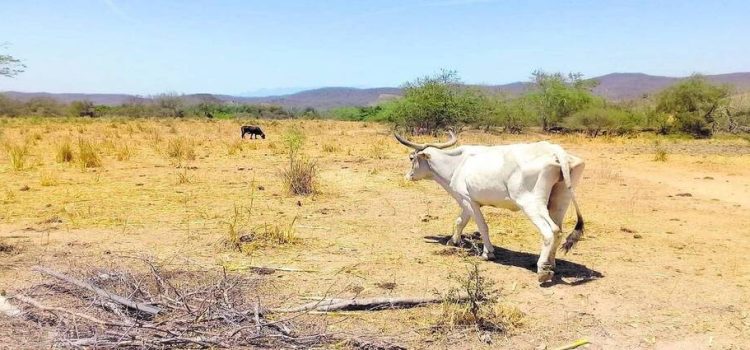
(695, 104)
(599, 120)
(436, 103)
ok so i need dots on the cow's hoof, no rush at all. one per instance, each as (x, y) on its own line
(488, 256)
(545, 274)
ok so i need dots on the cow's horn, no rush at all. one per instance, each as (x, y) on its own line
(409, 144)
(419, 146)
(445, 144)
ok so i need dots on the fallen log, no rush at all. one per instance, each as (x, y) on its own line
(151, 310)
(332, 304)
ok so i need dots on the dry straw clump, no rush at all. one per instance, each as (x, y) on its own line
(64, 152)
(17, 154)
(300, 177)
(179, 149)
(660, 152)
(183, 177)
(331, 148)
(123, 152)
(482, 309)
(88, 154)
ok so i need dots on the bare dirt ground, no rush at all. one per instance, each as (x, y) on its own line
(663, 263)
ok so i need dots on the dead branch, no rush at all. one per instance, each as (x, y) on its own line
(328, 305)
(267, 268)
(151, 310)
(40, 306)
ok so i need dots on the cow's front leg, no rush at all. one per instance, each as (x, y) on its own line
(458, 228)
(488, 252)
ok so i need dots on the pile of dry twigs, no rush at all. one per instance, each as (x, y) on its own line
(151, 307)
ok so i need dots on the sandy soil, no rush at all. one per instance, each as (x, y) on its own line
(657, 269)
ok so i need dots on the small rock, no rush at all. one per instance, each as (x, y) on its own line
(261, 188)
(427, 217)
(708, 178)
(299, 203)
(24, 188)
(684, 194)
(386, 285)
(627, 230)
(637, 236)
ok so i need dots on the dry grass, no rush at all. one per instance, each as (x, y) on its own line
(378, 150)
(234, 147)
(48, 178)
(363, 226)
(331, 148)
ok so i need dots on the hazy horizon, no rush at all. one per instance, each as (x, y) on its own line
(248, 49)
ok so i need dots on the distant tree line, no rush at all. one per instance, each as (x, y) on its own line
(555, 102)
(161, 106)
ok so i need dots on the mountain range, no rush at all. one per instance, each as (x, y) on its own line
(615, 86)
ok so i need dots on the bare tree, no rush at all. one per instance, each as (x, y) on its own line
(9, 65)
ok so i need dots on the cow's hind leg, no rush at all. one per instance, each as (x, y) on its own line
(559, 200)
(539, 216)
(458, 228)
(488, 252)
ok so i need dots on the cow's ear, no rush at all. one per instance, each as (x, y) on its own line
(423, 155)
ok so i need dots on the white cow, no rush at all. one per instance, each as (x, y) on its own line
(537, 178)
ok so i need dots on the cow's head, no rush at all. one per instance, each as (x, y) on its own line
(262, 135)
(420, 157)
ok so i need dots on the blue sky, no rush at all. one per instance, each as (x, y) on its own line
(233, 47)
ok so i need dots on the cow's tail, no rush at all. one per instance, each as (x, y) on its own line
(574, 236)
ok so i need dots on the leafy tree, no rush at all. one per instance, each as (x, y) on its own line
(9, 65)
(511, 114)
(436, 102)
(695, 104)
(557, 96)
